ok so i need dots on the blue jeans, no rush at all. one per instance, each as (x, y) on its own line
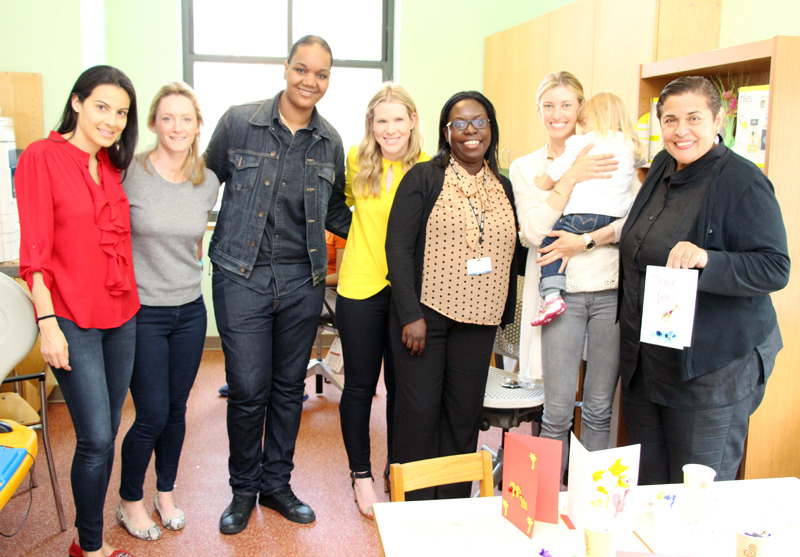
(589, 316)
(95, 390)
(169, 346)
(267, 341)
(552, 280)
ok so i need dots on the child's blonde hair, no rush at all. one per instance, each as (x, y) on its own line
(367, 181)
(606, 113)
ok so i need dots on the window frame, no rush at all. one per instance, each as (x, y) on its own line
(190, 57)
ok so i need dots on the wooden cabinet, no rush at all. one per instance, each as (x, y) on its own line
(773, 446)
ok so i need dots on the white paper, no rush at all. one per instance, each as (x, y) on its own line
(601, 486)
(668, 309)
(479, 266)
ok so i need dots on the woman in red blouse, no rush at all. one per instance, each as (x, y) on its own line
(76, 258)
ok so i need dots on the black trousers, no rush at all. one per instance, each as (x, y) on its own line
(364, 332)
(440, 394)
(672, 437)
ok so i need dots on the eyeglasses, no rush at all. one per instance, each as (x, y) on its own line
(461, 125)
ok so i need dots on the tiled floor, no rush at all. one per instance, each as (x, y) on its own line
(320, 478)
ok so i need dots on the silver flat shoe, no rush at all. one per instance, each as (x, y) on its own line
(150, 534)
(173, 523)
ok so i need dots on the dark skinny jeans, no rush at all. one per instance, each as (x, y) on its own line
(364, 331)
(169, 346)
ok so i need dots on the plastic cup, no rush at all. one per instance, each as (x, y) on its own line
(698, 476)
(599, 542)
(750, 543)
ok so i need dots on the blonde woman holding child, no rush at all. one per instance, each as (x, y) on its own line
(392, 144)
(554, 351)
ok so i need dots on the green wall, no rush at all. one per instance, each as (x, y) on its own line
(441, 48)
(43, 37)
(745, 21)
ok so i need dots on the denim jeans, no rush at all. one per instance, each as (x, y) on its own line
(95, 390)
(169, 346)
(364, 330)
(590, 317)
(552, 280)
(267, 342)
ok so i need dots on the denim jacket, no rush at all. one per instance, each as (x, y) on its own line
(243, 153)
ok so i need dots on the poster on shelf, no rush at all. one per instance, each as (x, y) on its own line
(668, 307)
(751, 124)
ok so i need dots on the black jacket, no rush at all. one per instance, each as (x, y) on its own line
(405, 240)
(741, 227)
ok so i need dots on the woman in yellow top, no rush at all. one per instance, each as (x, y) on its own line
(392, 144)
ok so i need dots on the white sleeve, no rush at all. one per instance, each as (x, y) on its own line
(563, 163)
(536, 218)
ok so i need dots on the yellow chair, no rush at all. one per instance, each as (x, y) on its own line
(442, 471)
(20, 437)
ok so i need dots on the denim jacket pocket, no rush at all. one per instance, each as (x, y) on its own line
(245, 169)
(325, 182)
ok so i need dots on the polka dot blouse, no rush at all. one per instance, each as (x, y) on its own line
(452, 239)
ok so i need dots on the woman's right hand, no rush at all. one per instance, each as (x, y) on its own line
(414, 336)
(591, 167)
(54, 346)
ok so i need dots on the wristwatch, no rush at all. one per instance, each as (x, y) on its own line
(588, 243)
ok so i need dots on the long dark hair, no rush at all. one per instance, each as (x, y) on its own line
(443, 156)
(121, 153)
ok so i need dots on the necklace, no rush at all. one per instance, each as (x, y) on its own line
(283, 119)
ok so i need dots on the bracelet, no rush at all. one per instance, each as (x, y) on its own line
(555, 191)
(45, 317)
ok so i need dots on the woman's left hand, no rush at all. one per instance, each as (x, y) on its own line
(566, 246)
(686, 255)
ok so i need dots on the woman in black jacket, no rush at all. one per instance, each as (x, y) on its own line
(451, 246)
(701, 207)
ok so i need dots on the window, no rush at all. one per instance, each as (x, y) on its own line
(233, 52)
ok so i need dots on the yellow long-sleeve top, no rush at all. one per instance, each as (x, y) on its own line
(364, 269)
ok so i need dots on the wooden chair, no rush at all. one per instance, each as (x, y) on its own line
(441, 471)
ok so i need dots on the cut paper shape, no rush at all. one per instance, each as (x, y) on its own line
(531, 482)
(600, 483)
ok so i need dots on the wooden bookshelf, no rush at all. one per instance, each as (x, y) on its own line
(773, 446)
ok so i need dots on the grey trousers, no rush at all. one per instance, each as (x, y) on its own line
(589, 318)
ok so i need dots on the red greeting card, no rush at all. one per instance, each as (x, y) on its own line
(531, 470)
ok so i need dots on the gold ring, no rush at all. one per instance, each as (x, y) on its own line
(686, 256)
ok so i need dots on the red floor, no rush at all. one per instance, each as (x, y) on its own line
(320, 478)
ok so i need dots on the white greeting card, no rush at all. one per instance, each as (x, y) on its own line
(668, 308)
(601, 485)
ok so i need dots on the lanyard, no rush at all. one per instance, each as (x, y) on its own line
(474, 212)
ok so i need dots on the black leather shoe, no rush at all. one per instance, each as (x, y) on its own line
(235, 517)
(286, 502)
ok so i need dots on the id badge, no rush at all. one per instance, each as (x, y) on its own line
(479, 266)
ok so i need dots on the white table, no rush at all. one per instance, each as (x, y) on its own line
(773, 502)
(466, 527)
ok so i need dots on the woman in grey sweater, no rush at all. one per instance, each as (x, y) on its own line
(171, 194)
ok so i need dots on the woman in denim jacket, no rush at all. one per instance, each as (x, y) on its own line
(283, 167)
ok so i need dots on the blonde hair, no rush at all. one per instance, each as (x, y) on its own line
(367, 181)
(194, 166)
(561, 79)
(606, 113)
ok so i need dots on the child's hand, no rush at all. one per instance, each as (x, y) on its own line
(541, 182)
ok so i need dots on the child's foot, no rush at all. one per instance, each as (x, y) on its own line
(551, 307)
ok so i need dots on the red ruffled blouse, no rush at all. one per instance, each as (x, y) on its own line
(77, 233)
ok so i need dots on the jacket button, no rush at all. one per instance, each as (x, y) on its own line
(266, 182)
(252, 244)
(261, 213)
(241, 269)
(272, 153)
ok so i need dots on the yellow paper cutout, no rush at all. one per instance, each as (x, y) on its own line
(523, 502)
(597, 475)
(505, 507)
(617, 468)
(601, 489)
(533, 461)
(623, 482)
(515, 489)
(530, 525)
